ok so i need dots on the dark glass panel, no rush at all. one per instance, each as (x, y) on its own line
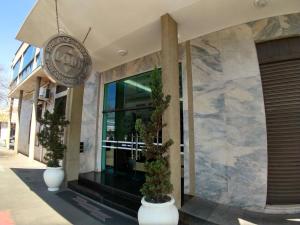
(16, 69)
(61, 104)
(137, 91)
(28, 56)
(26, 71)
(108, 138)
(38, 60)
(60, 88)
(180, 81)
(39, 111)
(110, 97)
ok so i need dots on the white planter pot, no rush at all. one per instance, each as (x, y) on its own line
(53, 177)
(158, 213)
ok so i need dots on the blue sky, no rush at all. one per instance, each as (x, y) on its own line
(12, 15)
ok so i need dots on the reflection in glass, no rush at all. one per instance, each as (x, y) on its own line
(125, 101)
(28, 56)
(16, 69)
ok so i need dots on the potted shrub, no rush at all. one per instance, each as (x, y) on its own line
(157, 204)
(51, 138)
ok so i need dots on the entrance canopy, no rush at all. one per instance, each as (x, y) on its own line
(134, 25)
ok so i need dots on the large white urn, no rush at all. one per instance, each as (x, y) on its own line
(158, 213)
(53, 177)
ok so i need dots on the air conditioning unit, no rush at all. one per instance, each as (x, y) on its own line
(44, 93)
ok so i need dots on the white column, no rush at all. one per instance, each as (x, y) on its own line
(33, 118)
(17, 130)
(11, 103)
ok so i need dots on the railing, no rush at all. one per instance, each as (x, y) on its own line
(128, 145)
(134, 147)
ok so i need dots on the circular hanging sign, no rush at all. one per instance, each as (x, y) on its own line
(66, 60)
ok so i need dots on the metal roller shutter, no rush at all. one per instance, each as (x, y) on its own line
(280, 73)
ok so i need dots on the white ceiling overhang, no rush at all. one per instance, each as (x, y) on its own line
(134, 25)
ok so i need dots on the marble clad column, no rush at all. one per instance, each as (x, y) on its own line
(16, 147)
(170, 79)
(11, 103)
(72, 137)
(33, 118)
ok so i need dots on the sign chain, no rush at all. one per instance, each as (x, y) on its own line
(57, 22)
(87, 34)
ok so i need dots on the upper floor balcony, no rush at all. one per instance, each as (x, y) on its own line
(26, 66)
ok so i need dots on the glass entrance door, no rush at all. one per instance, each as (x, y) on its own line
(124, 102)
(121, 143)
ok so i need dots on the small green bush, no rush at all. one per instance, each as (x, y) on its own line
(51, 136)
(157, 185)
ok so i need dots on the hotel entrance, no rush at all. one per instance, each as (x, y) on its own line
(122, 172)
(125, 101)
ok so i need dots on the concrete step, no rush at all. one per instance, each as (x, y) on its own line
(115, 201)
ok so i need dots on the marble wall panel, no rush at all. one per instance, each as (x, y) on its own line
(246, 158)
(276, 27)
(89, 124)
(132, 68)
(229, 117)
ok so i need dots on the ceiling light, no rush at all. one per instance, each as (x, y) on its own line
(260, 3)
(122, 52)
(138, 85)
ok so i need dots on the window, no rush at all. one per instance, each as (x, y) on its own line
(28, 56)
(16, 69)
(38, 59)
(26, 71)
(39, 111)
(60, 88)
(61, 104)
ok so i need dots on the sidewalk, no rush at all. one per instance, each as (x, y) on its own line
(24, 199)
(200, 211)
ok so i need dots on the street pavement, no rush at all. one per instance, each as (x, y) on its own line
(24, 199)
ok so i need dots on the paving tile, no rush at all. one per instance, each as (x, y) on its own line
(199, 208)
(272, 219)
(225, 216)
(252, 217)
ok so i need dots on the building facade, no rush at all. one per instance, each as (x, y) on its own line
(3, 127)
(239, 111)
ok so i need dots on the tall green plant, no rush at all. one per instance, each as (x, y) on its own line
(157, 185)
(50, 137)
